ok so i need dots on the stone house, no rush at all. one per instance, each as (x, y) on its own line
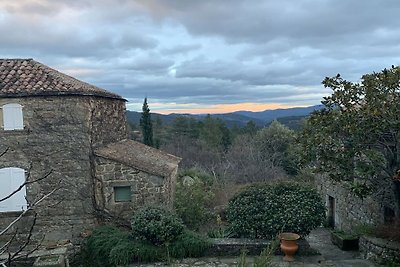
(63, 135)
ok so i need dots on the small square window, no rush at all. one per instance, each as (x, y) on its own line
(122, 194)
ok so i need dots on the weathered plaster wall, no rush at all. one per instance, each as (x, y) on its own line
(351, 210)
(146, 188)
(58, 136)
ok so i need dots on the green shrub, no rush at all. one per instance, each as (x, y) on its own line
(147, 252)
(99, 245)
(262, 211)
(192, 202)
(189, 244)
(156, 225)
(122, 253)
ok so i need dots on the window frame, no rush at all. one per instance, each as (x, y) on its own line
(115, 189)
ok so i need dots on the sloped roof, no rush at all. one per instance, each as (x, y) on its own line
(27, 77)
(140, 156)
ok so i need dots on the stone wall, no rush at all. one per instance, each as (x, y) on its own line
(108, 122)
(349, 210)
(379, 250)
(146, 188)
(57, 140)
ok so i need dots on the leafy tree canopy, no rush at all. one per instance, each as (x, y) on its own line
(356, 134)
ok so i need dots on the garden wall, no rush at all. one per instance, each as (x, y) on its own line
(381, 251)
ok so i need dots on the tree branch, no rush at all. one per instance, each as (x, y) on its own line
(26, 183)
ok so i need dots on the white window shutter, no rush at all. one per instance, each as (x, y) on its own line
(19, 198)
(13, 117)
(5, 189)
(8, 117)
(18, 118)
(10, 180)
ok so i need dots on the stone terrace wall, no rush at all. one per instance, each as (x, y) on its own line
(55, 139)
(380, 250)
(350, 209)
(145, 188)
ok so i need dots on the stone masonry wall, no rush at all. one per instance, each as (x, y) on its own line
(146, 188)
(58, 136)
(350, 210)
(108, 122)
(379, 250)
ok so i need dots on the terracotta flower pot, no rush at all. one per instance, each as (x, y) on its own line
(289, 245)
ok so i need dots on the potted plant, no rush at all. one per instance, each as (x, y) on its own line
(289, 245)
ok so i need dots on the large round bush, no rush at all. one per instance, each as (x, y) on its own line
(156, 225)
(262, 211)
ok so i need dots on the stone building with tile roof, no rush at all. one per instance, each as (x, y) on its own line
(57, 132)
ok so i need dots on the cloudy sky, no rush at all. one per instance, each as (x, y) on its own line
(205, 56)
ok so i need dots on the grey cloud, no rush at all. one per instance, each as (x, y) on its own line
(180, 49)
(276, 51)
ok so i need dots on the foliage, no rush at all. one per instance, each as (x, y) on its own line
(109, 246)
(364, 229)
(266, 256)
(356, 134)
(219, 232)
(98, 246)
(262, 211)
(194, 212)
(156, 225)
(360, 189)
(215, 133)
(146, 124)
(243, 258)
(188, 244)
(345, 235)
(198, 174)
(275, 142)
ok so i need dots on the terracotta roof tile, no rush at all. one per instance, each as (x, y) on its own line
(27, 77)
(140, 156)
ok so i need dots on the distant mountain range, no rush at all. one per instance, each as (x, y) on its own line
(290, 117)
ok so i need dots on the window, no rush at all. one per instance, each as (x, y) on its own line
(122, 194)
(12, 117)
(10, 180)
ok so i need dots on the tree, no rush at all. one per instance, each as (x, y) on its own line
(356, 136)
(215, 133)
(275, 143)
(146, 124)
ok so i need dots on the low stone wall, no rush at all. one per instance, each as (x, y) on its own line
(380, 250)
(234, 247)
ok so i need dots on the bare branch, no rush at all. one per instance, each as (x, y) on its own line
(28, 239)
(28, 209)
(4, 152)
(26, 183)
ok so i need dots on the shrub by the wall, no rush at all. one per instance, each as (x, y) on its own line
(192, 203)
(98, 247)
(156, 225)
(189, 244)
(262, 211)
